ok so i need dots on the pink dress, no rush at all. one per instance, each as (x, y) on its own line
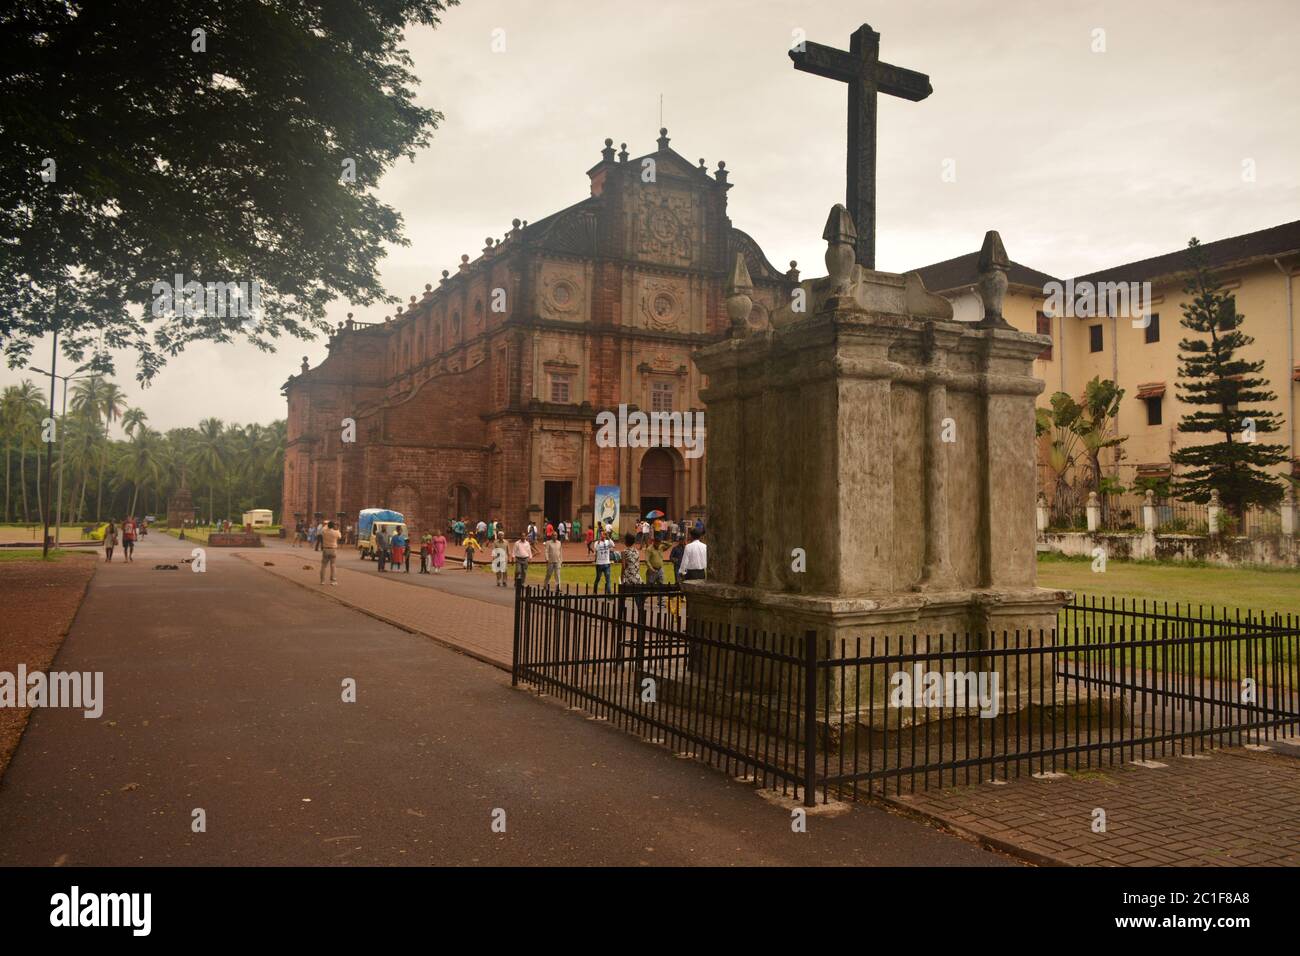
(439, 550)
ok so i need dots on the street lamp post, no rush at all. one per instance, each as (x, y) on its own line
(49, 451)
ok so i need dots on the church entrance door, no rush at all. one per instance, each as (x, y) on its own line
(657, 482)
(558, 504)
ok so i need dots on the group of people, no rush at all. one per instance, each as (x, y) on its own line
(656, 545)
(393, 550)
(128, 533)
(309, 534)
(689, 559)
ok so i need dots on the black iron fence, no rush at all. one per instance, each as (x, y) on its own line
(1114, 682)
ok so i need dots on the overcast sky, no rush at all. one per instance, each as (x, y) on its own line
(1081, 159)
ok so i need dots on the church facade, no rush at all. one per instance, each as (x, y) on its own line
(480, 398)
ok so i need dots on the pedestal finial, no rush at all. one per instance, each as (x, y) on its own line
(739, 301)
(992, 284)
(840, 235)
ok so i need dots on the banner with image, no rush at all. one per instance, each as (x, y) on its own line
(607, 503)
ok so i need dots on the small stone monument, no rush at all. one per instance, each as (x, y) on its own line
(870, 464)
(180, 506)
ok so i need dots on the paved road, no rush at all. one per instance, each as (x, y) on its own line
(223, 692)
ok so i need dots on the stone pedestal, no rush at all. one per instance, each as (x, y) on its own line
(870, 473)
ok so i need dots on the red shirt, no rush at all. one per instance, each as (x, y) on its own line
(128, 531)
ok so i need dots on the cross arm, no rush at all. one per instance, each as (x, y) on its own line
(828, 62)
(897, 81)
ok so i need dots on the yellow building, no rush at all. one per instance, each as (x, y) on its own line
(1123, 324)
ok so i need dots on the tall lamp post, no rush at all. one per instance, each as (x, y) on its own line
(58, 527)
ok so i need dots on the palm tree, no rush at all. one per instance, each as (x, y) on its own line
(9, 430)
(140, 461)
(132, 419)
(111, 404)
(81, 449)
(209, 456)
(27, 407)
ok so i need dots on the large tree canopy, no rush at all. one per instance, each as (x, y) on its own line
(135, 148)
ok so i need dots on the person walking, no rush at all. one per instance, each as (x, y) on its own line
(523, 554)
(631, 560)
(471, 545)
(500, 557)
(426, 552)
(603, 549)
(554, 561)
(589, 536)
(110, 541)
(654, 560)
(439, 552)
(675, 559)
(380, 541)
(320, 526)
(329, 552)
(311, 536)
(695, 558)
(128, 538)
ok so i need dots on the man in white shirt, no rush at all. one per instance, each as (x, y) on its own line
(603, 548)
(695, 559)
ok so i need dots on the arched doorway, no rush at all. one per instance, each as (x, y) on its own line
(658, 472)
(460, 504)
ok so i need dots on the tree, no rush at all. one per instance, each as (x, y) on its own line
(1097, 424)
(209, 457)
(139, 463)
(1080, 429)
(215, 140)
(132, 419)
(1221, 388)
(27, 408)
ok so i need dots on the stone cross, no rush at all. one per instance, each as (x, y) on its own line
(866, 76)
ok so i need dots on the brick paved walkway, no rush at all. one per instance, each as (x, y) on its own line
(1233, 808)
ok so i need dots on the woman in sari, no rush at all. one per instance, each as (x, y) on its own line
(439, 552)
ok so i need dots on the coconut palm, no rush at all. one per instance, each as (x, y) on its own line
(26, 405)
(132, 419)
(140, 462)
(209, 457)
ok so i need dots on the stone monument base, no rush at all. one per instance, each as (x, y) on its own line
(936, 631)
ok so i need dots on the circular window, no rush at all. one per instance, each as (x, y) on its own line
(664, 305)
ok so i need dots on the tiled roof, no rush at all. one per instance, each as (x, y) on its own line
(964, 270)
(1267, 242)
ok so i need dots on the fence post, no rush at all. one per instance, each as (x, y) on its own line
(1214, 510)
(514, 655)
(810, 719)
(1288, 512)
(1040, 512)
(1094, 511)
(1149, 512)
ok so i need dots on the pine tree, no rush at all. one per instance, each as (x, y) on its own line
(1221, 389)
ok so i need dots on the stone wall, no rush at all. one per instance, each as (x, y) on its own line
(1269, 551)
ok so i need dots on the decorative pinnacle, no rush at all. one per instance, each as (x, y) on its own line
(739, 302)
(663, 137)
(607, 154)
(622, 152)
(992, 282)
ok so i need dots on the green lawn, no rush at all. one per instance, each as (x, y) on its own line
(32, 554)
(1246, 588)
